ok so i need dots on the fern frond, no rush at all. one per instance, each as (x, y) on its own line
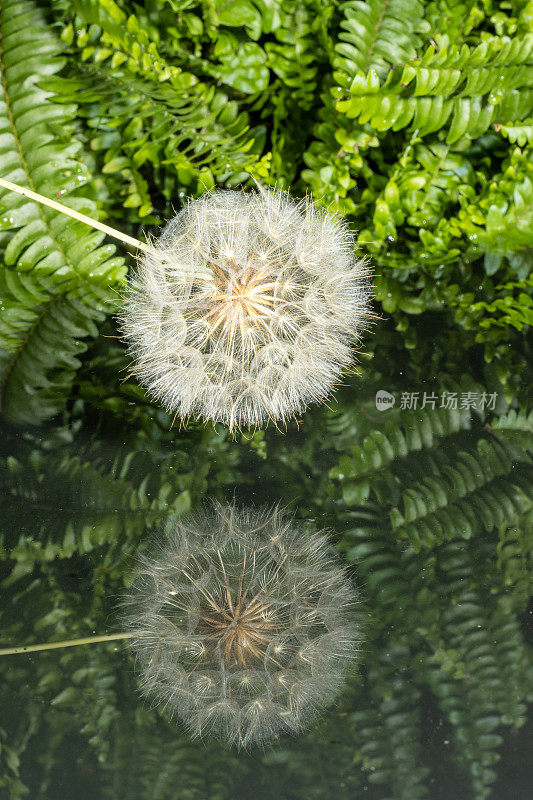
(376, 35)
(41, 333)
(58, 275)
(520, 132)
(464, 645)
(334, 158)
(294, 59)
(452, 84)
(103, 502)
(438, 494)
(515, 558)
(185, 127)
(369, 462)
(471, 641)
(386, 732)
(515, 430)
(465, 498)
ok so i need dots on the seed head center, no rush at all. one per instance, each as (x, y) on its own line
(240, 298)
(243, 630)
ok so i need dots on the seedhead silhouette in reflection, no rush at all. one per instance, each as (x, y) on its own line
(242, 624)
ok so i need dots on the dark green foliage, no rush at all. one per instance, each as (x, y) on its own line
(429, 504)
(143, 111)
(415, 120)
(443, 564)
(110, 494)
(9, 761)
(377, 35)
(58, 273)
(412, 119)
(404, 146)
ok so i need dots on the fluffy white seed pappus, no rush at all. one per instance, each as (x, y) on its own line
(246, 308)
(243, 624)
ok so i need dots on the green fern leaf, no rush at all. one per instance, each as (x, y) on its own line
(40, 333)
(520, 133)
(187, 128)
(451, 84)
(376, 35)
(64, 273)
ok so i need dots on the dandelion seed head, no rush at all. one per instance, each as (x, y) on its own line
(246, 308)
(242, 624)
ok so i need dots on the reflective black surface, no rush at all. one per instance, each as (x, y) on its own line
(429, 507)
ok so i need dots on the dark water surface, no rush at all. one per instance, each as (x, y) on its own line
(433, 518)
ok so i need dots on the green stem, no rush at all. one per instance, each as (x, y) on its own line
(33, 648)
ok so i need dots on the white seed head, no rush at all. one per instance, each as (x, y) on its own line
(242, 624)
(246, 308)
